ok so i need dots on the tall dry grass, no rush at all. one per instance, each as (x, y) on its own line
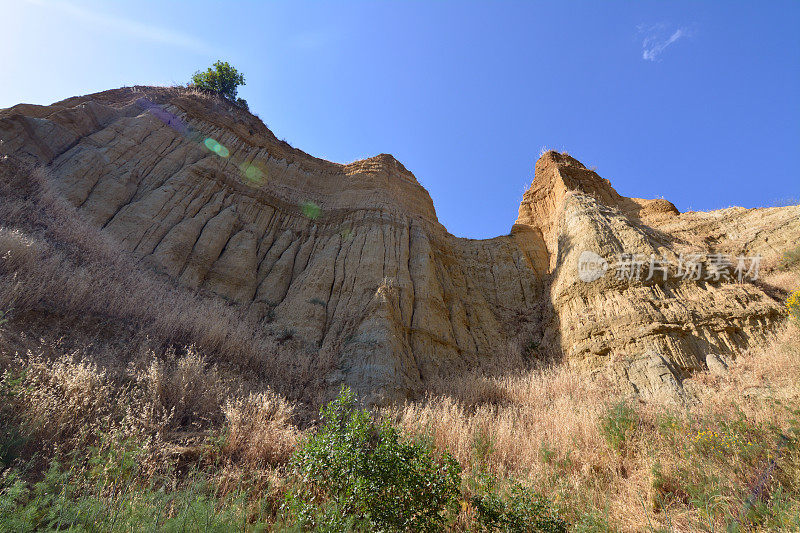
(98, 346)
(52, 262)
(260, 429)
(175, 370)
(546, 426)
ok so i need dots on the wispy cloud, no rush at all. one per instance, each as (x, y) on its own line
(126, 26)
(656, 39)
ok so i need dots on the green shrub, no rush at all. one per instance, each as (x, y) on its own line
(516, 509)
(362, 475)
(791, 259)
(617, 424)
(222, 79)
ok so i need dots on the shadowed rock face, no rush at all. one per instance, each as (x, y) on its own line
(352, 257)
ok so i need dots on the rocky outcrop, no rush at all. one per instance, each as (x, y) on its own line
(624, 320)
(352, 258)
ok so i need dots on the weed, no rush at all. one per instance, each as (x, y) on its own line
(793, 306)
(483, 445)
(317, 301)
(618, 423)
(791, 259)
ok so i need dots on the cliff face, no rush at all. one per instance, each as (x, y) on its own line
(352, 258)
(649, 333)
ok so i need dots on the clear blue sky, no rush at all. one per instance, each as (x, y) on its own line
(698, 102)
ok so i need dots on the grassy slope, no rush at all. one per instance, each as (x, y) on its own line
(128, 402)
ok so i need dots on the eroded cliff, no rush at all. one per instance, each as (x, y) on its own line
(352, 259)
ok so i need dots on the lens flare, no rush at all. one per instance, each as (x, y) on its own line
(163, 115)
(254, 174)
(216, 147)
(311, 210)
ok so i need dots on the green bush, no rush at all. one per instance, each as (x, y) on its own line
(222, 79)
(617, 424)
(355, 473)
(517, 509)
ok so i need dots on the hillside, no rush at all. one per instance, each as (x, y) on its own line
(351, 259)
(164, 241)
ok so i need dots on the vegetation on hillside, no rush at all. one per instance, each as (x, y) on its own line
(120, 415)
(791, 259)
(81, 450)
(221, 78)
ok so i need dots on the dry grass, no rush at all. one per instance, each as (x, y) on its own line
(546, 427)
(68, 405)
(183, 391)
(56, 398)
(777, 273)
(53, 262)
(260, 431)
(98, 347)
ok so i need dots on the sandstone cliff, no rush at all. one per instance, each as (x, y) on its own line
(352, 259)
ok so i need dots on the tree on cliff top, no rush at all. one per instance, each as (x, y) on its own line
(222, 78)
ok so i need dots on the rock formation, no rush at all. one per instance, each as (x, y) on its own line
(352, 257)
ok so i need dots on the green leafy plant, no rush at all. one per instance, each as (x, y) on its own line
(364, 473)
(69, 500)
(223, 79)
(516, 509)
(617, 424)
(115, 460)
(791, 259)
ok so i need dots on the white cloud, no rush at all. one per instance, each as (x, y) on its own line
(657, 38)
(125, 26)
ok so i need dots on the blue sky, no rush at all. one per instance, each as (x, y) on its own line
(696, 102)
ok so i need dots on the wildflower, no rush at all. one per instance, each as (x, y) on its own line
(793, 305)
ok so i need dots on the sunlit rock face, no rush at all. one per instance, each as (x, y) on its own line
(351, 258)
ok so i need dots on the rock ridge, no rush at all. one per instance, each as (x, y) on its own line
(352, 258)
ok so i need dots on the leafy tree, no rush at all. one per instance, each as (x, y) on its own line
(221, 78)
